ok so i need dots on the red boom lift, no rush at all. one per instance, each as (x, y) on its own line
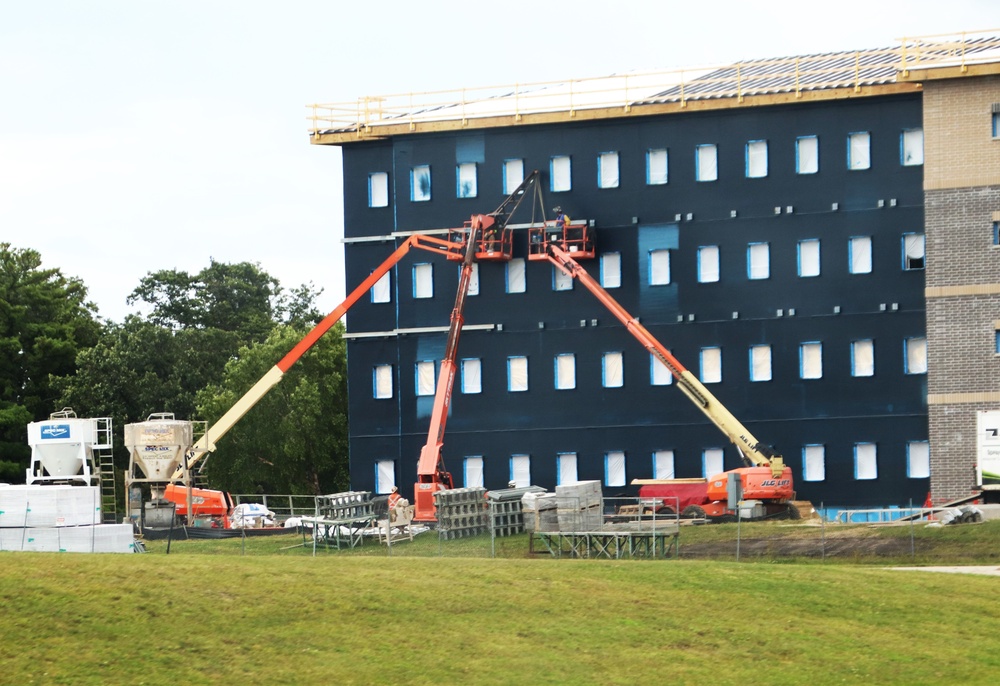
(765, 477)
(485, 237)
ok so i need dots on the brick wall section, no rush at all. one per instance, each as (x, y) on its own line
(959, 150)
(962, 191)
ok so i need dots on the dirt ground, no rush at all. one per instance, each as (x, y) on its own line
(797, 547)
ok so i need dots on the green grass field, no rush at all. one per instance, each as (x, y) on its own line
(207, 614)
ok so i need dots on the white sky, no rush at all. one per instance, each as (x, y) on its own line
(139, 135)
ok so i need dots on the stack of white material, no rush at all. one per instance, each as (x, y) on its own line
(58, 518)
(578, 506)
(540, 511)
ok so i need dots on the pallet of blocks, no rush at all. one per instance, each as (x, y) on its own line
(506, 513)
(540, 512)
(578, 507)
(461, 512)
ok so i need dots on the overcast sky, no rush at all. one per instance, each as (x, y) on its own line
(139, 135)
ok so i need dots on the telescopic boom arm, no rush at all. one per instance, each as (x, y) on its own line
(754, 452)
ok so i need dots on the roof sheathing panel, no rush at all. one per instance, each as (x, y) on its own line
(750, 83)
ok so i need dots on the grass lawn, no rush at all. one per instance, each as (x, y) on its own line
(205, 614)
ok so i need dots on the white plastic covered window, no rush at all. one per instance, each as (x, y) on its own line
(472, 376)
(807, 155)
(385, 476)
(863, 358)
(378, 189)
(706, 164)
(659, 267)
(865, 461)
(614, 468)
(607, 170)
(382, 381)
(473, 279)
(760, 362)
(513, 175)
(915, 355)
(566, 472)
(808, 257)
(811, 361)
(860, 254)
(425, 377)
(859, 151)
(708, 264)
(712, 462)
(561, 281)
(814, 463)
(918, 459)
(659, 374)
(560, 174)
(611, 270)
(913, 251)
(565, 371)
(420, 183)
(657, 172)
(911, 147)
(711, 365)
(613, 370)
(520, 470)
(472, 469)
(423, 280)
(466, 180)
(756, 162)
(517, 374)
(758, 261)
(516, 280)
(382, 290)
(663, 464)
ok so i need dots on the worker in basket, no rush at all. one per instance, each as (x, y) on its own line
(562, 221)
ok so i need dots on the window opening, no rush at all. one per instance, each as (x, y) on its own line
(612, 370)
(863, 358)
(711, 365)
(607, 170)
(565, 371)
(807, 155)
(378, 189)
(706, 166)
(814, 463)
(420, 183)
(811, 360)
(809, 264)
(656, 167)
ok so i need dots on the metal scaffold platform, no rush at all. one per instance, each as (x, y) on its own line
(659, 543)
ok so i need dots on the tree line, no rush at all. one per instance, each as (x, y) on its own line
(207, 338)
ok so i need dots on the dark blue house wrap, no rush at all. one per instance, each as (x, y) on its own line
(838, 410)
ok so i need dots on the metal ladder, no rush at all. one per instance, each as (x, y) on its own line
(104, 455)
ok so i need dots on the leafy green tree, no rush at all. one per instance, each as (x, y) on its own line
(198, 328)
(295, 439)
(45, 321)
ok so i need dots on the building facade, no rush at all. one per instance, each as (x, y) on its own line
(771, 237)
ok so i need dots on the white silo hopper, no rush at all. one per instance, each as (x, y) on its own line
(157, 445)
(156, 449)
(62, 448)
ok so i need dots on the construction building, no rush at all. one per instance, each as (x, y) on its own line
(815, 236)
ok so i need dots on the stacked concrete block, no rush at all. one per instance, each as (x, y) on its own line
(349, 506)
(578, 506)
(461, 512)
(540, 512)
(506, 511)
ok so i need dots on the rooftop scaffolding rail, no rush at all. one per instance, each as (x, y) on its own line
(371, 117)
